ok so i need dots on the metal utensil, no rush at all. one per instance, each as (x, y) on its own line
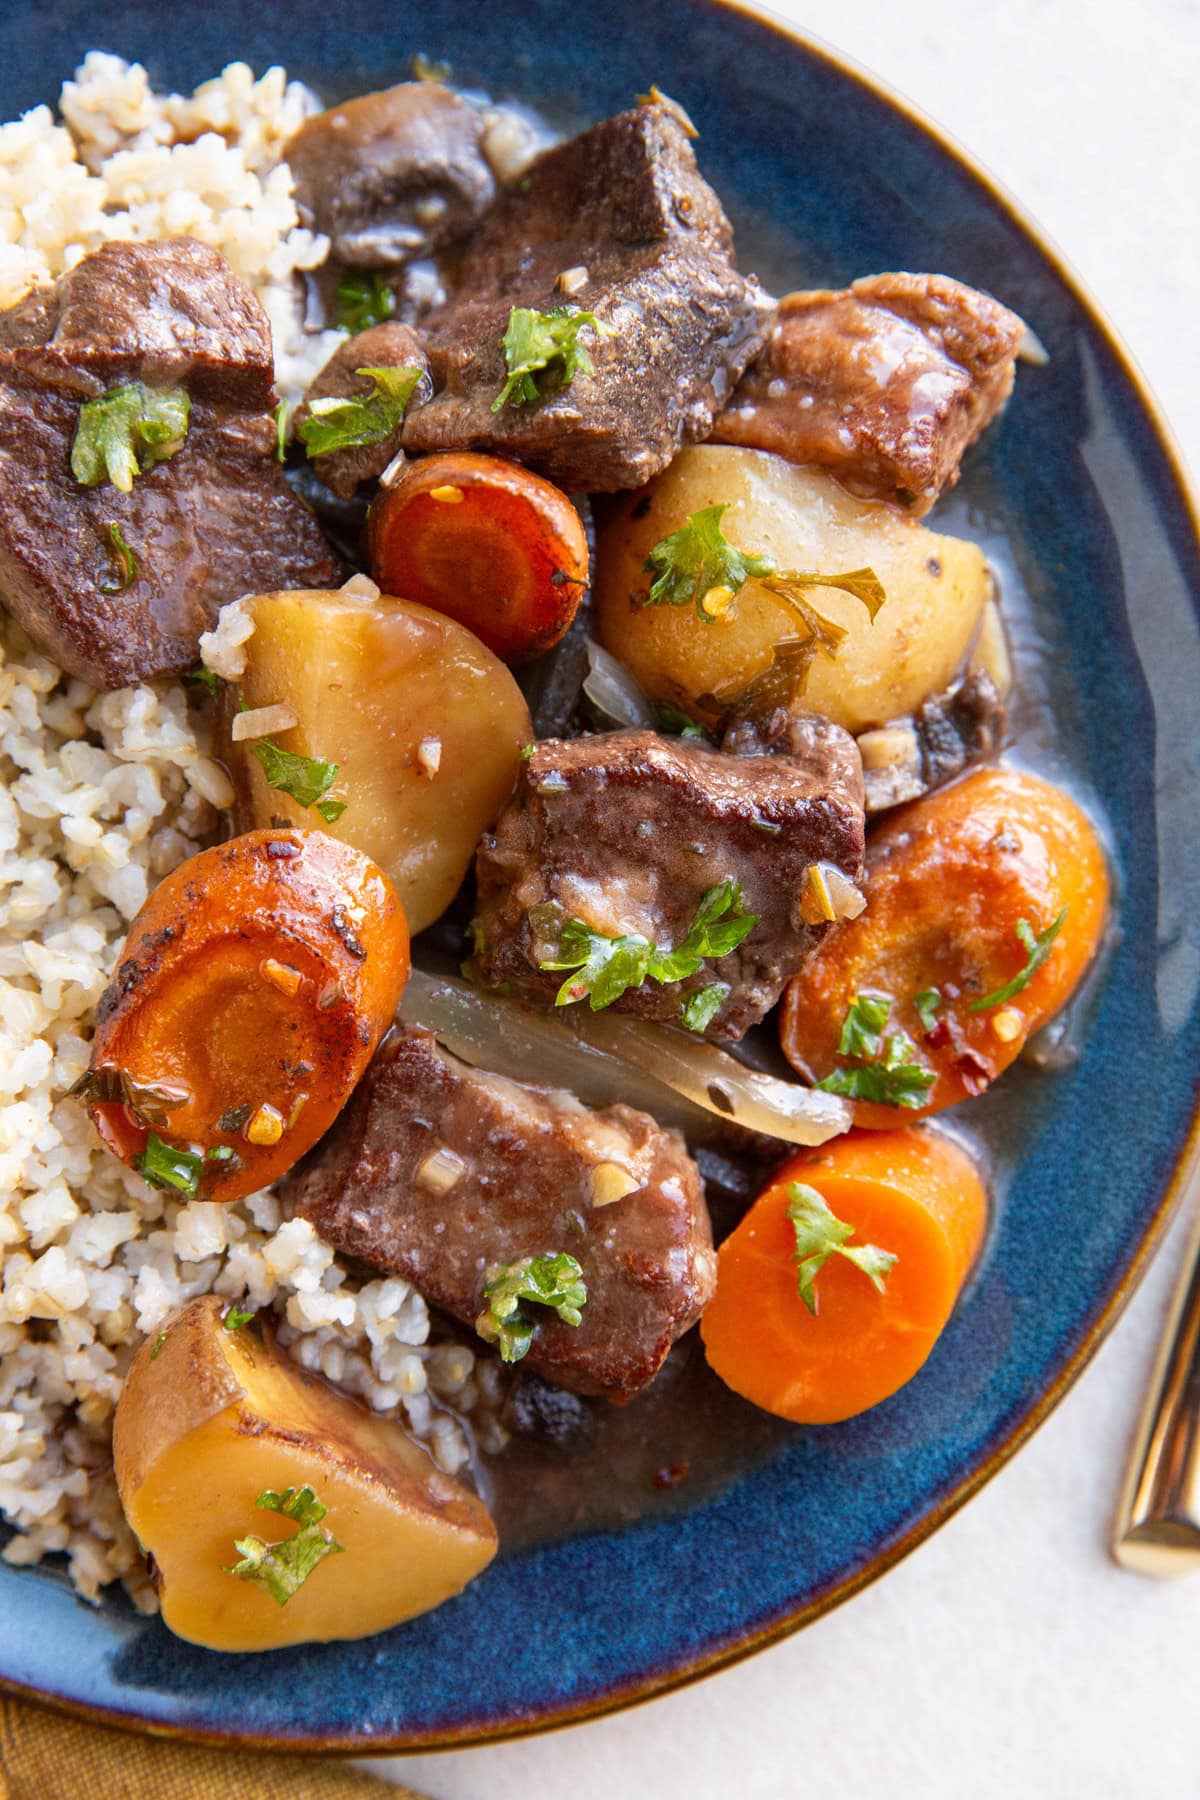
(1157, 1528)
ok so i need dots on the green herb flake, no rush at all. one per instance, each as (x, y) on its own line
(159, 1341)
(345, 422)
(697, 562)
(605, 967)
(543, 352)
(897, 1080)
(221, 1153)
(331, 810)
(526, 752)
(123, 433)
(701, 1008)
(926, 1004)
(305, 778)
(363, 301)
(554, 1280)
(164, 1166)
(862, 1028)
(236, 1317)
(283, 1568)
(281, 431)
(1037, 949)
(820, 1235)
(204, 678)
(677, 723)
(126, 563)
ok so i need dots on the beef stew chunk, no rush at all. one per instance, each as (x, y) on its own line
(213, 521)
(627, 831)
(388, 346)
(948, 733)
(438, 1172)
(886, 383)
(617, 222)
(392, 176)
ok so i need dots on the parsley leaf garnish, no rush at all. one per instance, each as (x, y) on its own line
(863, 1025)
(127, 565)
(698, 561)
(204, 678)
(819, 1235)
(606, 967)
(236, 1317)
(165, 1166)
(343, 422)
(543, 352)
(1037, 949)
(284, 1568)
(926, 1004)
(897, 1080)
(701, 1008)
(555, 1281)
(159, 1341)
(126, 431)
(281, 431)
(305, 778)
(363, 301)
(676, 723)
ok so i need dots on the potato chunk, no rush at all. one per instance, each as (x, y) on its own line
(210, 1420)
(936, 588)
(425, 724)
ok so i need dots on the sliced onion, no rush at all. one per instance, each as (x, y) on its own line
(604, 1058)
(613, 691)
(262, 721)
(848, 901)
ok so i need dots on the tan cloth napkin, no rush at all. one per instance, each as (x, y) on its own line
(46, 1756)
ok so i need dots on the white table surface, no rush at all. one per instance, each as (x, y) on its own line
(1008, 1656)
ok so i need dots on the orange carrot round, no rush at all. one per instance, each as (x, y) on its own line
(956, 885)
(253, 988)
(486, 542)
(910, 1195)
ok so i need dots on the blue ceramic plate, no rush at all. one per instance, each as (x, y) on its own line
(827, 178)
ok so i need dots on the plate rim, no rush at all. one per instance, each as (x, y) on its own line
(1182, 1185)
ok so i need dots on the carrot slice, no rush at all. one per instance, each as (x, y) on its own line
(949, 881)
(486, 542)
(911, 1193)
(253, 988)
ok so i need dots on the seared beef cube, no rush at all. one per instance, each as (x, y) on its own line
(886, 383)
(214, 521)
(627, 831)
(392, 176)
(389, 346)
(946, 734)
(617, 222)
(440, 1173)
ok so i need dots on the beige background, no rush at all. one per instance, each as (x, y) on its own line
(1008, 1657)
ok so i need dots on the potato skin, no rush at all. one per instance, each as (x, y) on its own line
(936, 588)
(372, 681)
(209, 1419)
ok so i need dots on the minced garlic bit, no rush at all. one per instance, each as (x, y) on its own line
(298, 1105)
(887, 746)
(1007, 1024)
(282, 976)
(441, 1170)
(448, 495)
(571, 281)
(266, 1127)
(362, 584)
(816, 903)
(717, 602)
(429, 756)
(262, 721)
(610, 1182)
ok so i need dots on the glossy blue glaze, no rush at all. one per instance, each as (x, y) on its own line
(826, 180)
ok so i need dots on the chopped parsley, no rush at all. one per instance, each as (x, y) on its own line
(204, 678)
(106, 1085)
(159, 1341)
(282, 1569)
(701, 1008)
(126, 564)
(236, 1317)
(698, 561)
(164, 1166)
(281, 431)
(888, 1071)
(363, 301)
(677, 723)
(555, 1281)
(305, 778)
(606, 967)
(1037, 949)
(820, 1235)
(926, 1004)
(346, 421)
(126, 431)
(543, 352)
(863, 1025)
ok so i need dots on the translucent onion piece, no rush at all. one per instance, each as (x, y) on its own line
(614, 693)
(262, 721)
(1031, 349)
(848, 900)
(603, 1058)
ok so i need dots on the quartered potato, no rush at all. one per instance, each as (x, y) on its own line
(425, 724)
(936, 589)
(276, 1510)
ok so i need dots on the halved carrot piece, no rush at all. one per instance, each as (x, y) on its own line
(253, 988)
(956, 884)
(486, 542)
(912, 1194)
